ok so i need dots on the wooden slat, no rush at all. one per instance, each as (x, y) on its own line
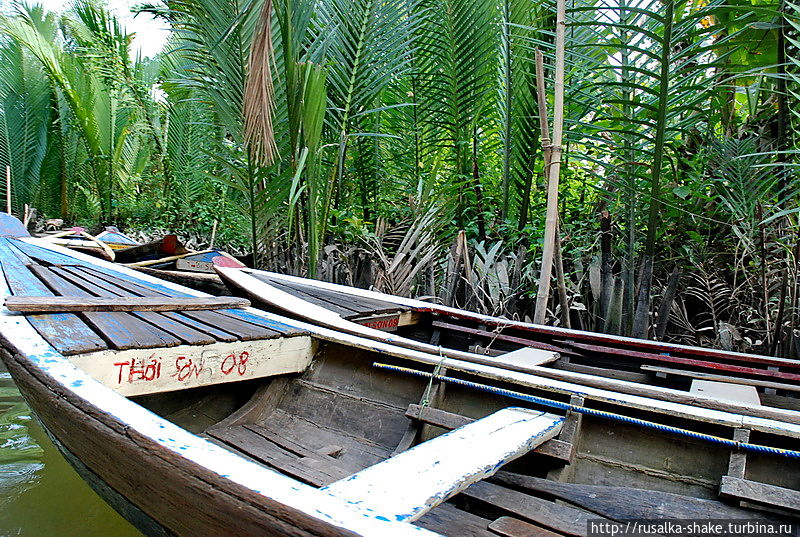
(744, 489)
(341, 309)
(359, 305)
(62, 304)
(121, 330)
(552, 515)
(513, 527)
(502, 337)
(722, 378)
(67, 333)
(98, 287)
(447, 420)
(213, 331)
(243, 330)
(638, 355)
(259, 448)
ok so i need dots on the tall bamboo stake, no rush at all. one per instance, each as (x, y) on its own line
(547, 147)
(8, 189)
(551, 222)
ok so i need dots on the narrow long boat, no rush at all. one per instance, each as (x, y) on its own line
(679, 373)
(198, 416)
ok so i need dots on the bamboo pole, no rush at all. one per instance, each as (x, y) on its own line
(551, 222)
(8, 189)
(547, 147)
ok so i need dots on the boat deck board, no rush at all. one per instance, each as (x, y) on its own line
(347, 306)
(35, 271)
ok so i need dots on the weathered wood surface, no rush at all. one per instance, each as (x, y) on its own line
(744, 489)
(513, 527)
(721, 378)
(72, 304)
(66, 332)
(409, 484)
(185, 497)
(121, 330)
(557, 517)
(447, 420)
(145, 371)
(625, 503)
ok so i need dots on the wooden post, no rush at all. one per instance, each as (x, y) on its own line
(551, 222)
(8, 189)
(213, 235)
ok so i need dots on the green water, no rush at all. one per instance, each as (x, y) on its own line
(40, 494)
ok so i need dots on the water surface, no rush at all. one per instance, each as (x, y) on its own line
(40, 493)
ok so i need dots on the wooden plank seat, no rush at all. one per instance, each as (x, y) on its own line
(64, 304)
(407, 485)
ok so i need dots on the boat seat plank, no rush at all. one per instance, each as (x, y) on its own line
(409, 484)
(554, 447)
(66, 332)
(639, 355)
(178, 326)
(726, 391)
(121, 330)
(72, 304)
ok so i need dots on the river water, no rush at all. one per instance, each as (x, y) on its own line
(40, 494)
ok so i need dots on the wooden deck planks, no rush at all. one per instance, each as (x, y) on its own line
(359, 305)
(66, 332)
(120, 330)
(73, 304)
(242, 329)
(185, 329)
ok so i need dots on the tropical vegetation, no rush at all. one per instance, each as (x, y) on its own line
(398, 144)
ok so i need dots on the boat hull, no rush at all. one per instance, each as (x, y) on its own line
(180, 497)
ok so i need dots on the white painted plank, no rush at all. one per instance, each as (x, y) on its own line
(144, 371)
(408, 485)
(525, 356)
(726, 391)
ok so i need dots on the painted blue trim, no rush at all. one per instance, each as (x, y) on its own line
(12, 227)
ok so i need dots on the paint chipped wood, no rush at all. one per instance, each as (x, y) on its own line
(66, 304)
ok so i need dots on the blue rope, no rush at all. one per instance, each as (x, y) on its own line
(733, 444)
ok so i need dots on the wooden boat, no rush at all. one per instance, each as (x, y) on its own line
(168, 253)
(600, 360)
(193, 415)
(77, 238)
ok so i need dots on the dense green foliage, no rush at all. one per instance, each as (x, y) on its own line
(399, 124)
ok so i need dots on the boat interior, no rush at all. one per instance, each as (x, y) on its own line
(755, 380)
(408, 446)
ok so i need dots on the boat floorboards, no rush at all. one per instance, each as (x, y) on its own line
(268, 446)
(35, 271)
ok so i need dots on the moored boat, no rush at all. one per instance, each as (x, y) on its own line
(680, 373)
(194, 415)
